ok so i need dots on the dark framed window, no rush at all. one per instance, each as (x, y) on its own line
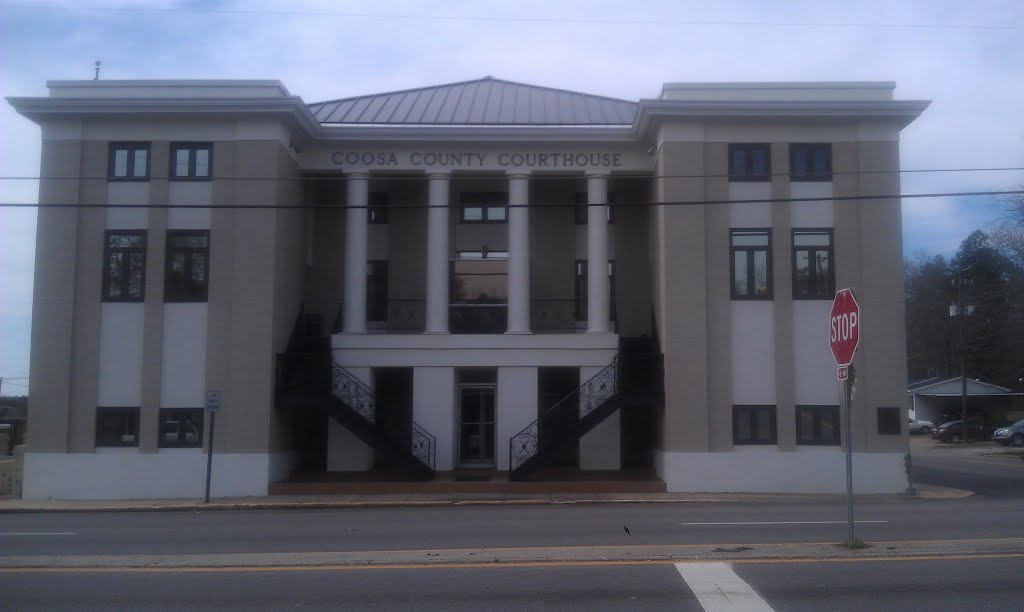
(187, 273)
(810, 161)
(377, 290)
(580, 288)
(129, 161)
(191, 161)
(814, 276)
(753, 425)
(817, 425)
(489, 207)
(181, 427)
(124, 266)
(117, 426)
(750, 251)
(889, 421)
(580, 208)
(750, 162)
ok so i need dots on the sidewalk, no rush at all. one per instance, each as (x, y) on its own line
(299, 502)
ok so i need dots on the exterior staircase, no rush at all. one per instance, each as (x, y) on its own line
(632, 381)
(309, 379)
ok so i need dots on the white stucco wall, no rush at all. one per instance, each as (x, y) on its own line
(753, 469)
(120, 216)
(813, 213)
(814, 367)
(516, 407)
(130, 474)
(120, 357)
(750, 214)
(601, 447)
(753, 353)
(189, 196)
(433, 408)
(183, 363)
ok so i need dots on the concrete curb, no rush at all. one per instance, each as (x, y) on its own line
(813, 552)
(922, 492)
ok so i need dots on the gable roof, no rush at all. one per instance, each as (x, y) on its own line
(952, 386)
(486, 101)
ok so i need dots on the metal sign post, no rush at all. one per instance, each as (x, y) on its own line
(844, 338)
(212, 406)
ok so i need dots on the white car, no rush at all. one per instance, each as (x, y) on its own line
(921, 427)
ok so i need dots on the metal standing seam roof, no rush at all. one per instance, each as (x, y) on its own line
(486, 101)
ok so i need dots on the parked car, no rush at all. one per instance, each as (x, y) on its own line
(1014, 434)
(953, 431)
(921, 427)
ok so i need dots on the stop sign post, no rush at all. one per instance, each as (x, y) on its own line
(843, 340)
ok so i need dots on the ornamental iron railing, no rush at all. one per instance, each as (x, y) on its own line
(589, 396)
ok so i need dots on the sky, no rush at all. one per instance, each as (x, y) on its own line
(967, 57)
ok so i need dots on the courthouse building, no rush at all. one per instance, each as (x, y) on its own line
(484, 276)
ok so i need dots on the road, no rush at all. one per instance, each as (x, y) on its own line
(261, 559)
(988, 470)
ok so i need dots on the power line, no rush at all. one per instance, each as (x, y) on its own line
(533, 177)
(424, 206)
(586, 20)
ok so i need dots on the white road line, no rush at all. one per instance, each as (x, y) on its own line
(717, 587)
(38, 533)
(782, 523)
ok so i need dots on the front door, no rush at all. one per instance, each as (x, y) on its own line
(476, 425)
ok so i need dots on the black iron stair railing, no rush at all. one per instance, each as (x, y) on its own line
(593, 401)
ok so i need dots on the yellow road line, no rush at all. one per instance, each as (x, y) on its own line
(476, 565)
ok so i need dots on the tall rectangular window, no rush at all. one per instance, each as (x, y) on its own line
(810, 161)
(181, 427)
(813, 265)
(377, 211)
(817, 425)
(129, 161)
(117, 426)
(124, 266)
(191, 160)
(750, 162)
(483, 208)
(187, 273)
(377, 291)
(753, 425)
(580, 288)
(751, 253)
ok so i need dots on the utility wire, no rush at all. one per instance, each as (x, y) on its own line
(534, 205)
(533, 177)
(586, 20)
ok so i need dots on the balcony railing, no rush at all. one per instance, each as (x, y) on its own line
(481, 318)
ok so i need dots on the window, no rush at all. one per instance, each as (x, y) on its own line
(117, 426)
(753, 424)
(580, 287)
(377, 211)
(810, 162)
(187, 275)
(191, 161)
(750, 162)
(181, 427)
(483, 208)
(813, 267)
(817, 425)
(580, 208)
(124, 266)
(888, 421)
(377, 291)
(129, 161)
(751, 254)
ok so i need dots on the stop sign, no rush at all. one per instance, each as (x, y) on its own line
(844, 327)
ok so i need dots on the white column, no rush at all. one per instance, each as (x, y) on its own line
(437, 254)
(597, 254)
(518, 254)
(355, 253)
